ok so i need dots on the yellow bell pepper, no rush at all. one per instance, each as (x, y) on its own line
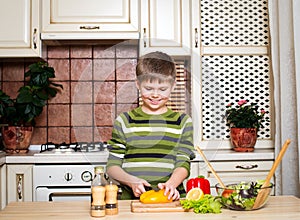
(152, 197)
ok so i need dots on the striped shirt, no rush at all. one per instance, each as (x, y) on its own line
(151, 146)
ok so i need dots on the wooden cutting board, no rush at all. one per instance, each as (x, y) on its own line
(137, 206)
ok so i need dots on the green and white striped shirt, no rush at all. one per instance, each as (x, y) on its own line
(151, 146)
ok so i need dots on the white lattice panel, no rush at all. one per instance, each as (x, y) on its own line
(234, 22)
(228, 79)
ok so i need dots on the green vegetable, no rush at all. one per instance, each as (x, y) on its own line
(208, 204)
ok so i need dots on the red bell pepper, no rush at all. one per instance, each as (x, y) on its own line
(199, 182)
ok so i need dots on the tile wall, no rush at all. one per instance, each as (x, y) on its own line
(98, 84)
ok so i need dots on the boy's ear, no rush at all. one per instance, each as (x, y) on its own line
(137, 84)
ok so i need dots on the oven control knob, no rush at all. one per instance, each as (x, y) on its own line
(68, 176)
(86, 176)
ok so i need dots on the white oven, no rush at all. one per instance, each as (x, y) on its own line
(63, 172)
(68, 182)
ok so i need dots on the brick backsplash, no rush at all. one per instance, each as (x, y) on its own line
(98, 84)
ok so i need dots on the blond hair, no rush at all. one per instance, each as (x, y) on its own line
(156, 66)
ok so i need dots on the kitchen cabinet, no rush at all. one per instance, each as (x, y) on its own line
(20, 28)
(229, 52)
(19, 182)
(2, 186)
(75, 19)
(165, 26)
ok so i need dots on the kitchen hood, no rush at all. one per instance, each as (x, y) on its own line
(53, 39)
(91, 36)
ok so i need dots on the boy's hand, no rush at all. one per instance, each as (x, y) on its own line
(173, 192)
(138, 186)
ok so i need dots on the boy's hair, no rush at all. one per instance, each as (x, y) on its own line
(156, 66)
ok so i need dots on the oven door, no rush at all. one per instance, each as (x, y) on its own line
(62, 193)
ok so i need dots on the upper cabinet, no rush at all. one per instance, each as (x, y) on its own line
(90, 19)
(20, 28)
(165, 26)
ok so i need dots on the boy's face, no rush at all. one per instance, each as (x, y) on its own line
(155, 95)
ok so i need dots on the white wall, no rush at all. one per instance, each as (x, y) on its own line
(296, 9)
(285, 92)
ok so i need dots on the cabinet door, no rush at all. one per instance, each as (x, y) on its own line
(89, 16)
(19, 25)
(19, 183)
(165, 26)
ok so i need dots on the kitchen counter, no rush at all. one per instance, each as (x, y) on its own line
(277, 208)
(34, 157)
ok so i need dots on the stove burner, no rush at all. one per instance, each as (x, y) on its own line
(74, 147)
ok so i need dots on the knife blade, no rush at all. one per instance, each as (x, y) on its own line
(155, 188)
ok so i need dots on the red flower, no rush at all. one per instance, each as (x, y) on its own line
(242, 102)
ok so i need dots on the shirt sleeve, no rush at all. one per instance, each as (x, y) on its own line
(186, 146)
(117, 144)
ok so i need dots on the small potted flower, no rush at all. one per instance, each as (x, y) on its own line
(244, 121)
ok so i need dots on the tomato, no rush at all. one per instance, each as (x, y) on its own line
(227, 192)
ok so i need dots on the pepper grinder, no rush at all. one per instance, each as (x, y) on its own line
(111, 193)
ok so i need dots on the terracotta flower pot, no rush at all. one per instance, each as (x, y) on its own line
(16, 139)
(243, 139)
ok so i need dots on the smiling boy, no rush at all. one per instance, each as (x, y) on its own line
(152, 145)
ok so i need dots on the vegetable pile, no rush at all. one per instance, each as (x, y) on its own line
(241, 196)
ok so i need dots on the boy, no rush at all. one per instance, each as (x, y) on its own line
(151, 145)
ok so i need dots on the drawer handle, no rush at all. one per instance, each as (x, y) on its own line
(246, 167)
(196, 37)
(145, 36)
(20, 186)
(89, 27)
(34, 38)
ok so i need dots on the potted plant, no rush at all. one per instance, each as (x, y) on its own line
(17, 116)
(244, 121)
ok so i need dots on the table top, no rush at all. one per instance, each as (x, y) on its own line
(277, 208)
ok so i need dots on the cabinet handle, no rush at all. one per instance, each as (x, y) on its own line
(144, 37)
(34, 38)
(196, 38)
(89, 27)
(246, 167)
(20, 186)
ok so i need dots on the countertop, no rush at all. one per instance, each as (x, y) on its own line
(34, 157)
(277, 208)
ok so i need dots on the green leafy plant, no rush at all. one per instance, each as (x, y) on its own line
(31, 98)
(245, 115)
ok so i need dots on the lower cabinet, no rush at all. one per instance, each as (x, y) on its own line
(2, 186)
(232, 171)
(19, 182)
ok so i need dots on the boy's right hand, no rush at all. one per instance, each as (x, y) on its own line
(138, 186)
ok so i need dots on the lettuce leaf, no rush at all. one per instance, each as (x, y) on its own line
(208, 204)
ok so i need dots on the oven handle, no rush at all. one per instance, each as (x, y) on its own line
(51, 195)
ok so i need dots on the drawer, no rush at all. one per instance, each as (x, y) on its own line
(240, 166)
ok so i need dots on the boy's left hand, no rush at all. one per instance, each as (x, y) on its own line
(170, 189)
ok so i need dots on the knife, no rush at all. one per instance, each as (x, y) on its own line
(155, 188)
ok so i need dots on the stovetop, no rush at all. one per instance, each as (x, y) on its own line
(82, 147)
(72, 153)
